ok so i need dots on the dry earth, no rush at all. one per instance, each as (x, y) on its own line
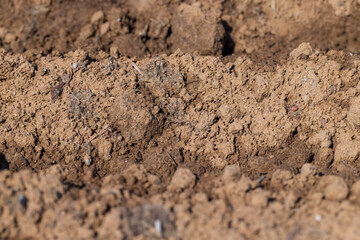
(143, 119)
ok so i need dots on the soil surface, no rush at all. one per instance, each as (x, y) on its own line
(145, 119)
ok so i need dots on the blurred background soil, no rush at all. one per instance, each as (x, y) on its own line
(179, 119)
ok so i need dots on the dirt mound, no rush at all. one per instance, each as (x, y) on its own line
(135, 28)
(136, 204)
(265, 31)
(179, 120)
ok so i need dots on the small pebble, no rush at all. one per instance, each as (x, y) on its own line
(294, 108)
(23, 200)
(87, 160)
(75, 65)
(44, 71)
(318, 218)
(158, 227)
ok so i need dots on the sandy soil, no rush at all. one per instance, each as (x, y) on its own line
(179, 119)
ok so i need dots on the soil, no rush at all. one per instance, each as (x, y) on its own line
(187, 119)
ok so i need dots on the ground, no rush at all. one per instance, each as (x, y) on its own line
(147, 119)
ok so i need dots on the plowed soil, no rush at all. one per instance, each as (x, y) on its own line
(208, 119)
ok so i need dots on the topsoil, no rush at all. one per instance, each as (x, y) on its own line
(208, 119)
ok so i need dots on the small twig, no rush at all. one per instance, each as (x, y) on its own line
(137, 69)
(74, 97)
(84, 147)
(157, 21)
(105, 129)
(261, 178)
(179, 137)
(173, 160)
(192, 82)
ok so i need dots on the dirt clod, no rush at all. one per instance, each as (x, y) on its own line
(182, 179)
(231, 173)
(353, 115)
(334, 188)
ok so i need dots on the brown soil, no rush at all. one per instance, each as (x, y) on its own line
(179, 119)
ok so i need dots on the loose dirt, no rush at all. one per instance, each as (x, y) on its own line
(179, 119)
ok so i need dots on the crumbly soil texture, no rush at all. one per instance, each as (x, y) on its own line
(195, 119)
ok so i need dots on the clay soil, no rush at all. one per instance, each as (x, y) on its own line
(184, 119)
